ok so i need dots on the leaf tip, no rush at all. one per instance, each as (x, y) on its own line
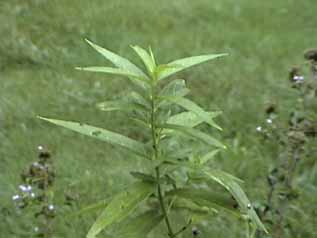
(88, 41)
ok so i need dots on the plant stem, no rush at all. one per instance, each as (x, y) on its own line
(155, 155)
(161, 200)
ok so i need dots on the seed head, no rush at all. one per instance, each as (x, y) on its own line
(195, 231)
(311, 54)
(270, 109)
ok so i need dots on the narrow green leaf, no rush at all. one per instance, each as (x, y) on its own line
(108, 70)
(143, 177)
(203, 197)
(189, 119)
(117, 60)
(193, 107)
(122, 63)
(109, 106)
(176, 88)
(145, 57)
(196, 134)
(140, 226)
(209, 156)
(121, 206)
(102, 134)
(131, 101)
(229, 182)
(181, 64)
(187, 204)
(152, 55)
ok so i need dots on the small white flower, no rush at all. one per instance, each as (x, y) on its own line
(36, 229)
(51, 207)
(25, 188)
(298, 78)
(32, 195)
(40, 147)
(269, 120)
(259, 129)
(15, 197)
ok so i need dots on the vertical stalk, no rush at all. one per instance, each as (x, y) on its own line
(155, 146)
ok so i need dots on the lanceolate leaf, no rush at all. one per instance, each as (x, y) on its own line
(195, 134)
(189, 119)
(140, 226)
(102, 134)
(228, 181)
(176, 88)
(143, 177)
(145, 57)
(121, 63)
(121, 206)
(187, 204)
(209, 156)
(204, 197)
(152, 55)
(114, 71)
(181, 64)
(193, 107)
(130, 101)
(117, 60)
(109, 106)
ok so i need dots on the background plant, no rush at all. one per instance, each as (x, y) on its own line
(178, 175)
(36, 196)
(294, 138)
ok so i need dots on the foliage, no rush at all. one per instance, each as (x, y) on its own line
(152, 104)
(293, 138)
(36, 194)
(40, 48)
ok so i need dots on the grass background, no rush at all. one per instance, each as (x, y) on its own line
(42, 42)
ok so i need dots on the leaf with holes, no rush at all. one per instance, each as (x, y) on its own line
(102, 134)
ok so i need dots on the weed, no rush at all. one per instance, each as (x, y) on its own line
(292, 136)
(178, 152)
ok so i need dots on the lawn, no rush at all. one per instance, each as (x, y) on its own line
(43, 41)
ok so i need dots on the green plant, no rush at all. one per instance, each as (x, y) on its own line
(179, 177)
(294, 138)
(36, 193)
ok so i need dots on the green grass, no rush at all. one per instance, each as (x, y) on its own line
(42, 42)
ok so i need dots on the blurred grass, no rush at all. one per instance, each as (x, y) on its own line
(42, 42)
